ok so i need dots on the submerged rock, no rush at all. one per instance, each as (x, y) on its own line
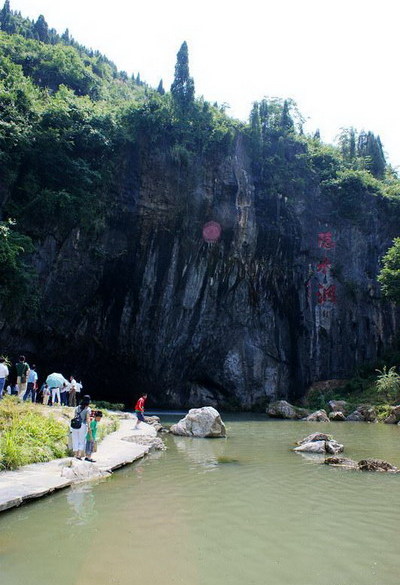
(318, 416)
(341, 462)
(283, 409)
(377, 465)
(363, 465)
(200, 422)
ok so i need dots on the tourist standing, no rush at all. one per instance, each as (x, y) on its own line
(22, 372)
(64, 394)
(45, 394)
(55, 393)
(3, 375)
(72, 391)
(92, 435)
(139, 410)
(82, 411)
(31, 384)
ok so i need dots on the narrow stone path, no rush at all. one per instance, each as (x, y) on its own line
(39, 479)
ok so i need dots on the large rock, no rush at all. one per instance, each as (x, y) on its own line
(319, 443)
(337, 416)
(318, 416)
(200, 422)
(363, 413)
(283, 409)
(315, 437)
(311, 447)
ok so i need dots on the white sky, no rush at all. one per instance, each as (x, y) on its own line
(337, 59)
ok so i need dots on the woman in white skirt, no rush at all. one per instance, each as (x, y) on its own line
(79, 435)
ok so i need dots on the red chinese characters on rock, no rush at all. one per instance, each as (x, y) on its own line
(326, 294)
(326, 289)
(324, 266)
(325, 241)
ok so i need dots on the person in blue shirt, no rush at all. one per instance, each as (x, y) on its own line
(31, 386)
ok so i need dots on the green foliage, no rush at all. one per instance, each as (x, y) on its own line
(349, 190)
(17, 279)
(389, 276)
(388, 383)
(26, 436)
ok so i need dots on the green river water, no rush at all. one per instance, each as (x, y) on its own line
(179, 517)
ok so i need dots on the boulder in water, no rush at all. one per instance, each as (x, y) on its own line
(283, 409)
(318, 416)
(312, 447)
(200, 422)
(319, 443)
(363, 413)
(314, 437)
(337, 415)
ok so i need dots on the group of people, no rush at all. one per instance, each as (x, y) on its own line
(27, 388)
(84, 424)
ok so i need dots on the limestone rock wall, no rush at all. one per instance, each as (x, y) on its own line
(286, 296)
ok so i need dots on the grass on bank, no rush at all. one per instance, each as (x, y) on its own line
(28, 436)
(33, 433)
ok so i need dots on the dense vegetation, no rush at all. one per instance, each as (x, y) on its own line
(68, 116)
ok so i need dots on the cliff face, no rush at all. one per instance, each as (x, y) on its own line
(286, 295)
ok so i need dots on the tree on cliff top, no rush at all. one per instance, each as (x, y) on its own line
(182, 88)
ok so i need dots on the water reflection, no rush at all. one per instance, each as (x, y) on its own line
(204, 452)
(81, 502)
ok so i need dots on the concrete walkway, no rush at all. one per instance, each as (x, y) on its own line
(39, 479)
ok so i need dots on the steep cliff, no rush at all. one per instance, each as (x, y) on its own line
(171, 249)
(284, 293)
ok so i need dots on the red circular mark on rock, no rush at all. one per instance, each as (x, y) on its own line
(211, 231)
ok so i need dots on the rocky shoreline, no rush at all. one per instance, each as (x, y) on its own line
(339, 411)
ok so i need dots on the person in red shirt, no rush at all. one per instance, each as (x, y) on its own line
(139, 410)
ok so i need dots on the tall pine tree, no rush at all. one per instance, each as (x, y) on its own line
(6, 19)
(41, 29)
(182, 88)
